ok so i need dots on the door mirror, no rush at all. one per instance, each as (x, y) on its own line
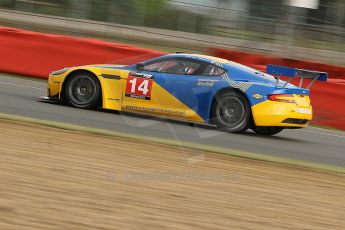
(140, 66)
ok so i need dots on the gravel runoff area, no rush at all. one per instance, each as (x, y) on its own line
(58, 179)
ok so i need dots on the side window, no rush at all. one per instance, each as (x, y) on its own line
(212, 70)
(174, 66)
(187, 67)
(155, 67)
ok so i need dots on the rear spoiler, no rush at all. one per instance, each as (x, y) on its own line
(294, 72)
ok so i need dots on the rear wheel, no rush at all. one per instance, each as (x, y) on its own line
(83, 91)
(267, 130)
(231, 112)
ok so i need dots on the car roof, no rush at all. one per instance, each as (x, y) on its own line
(201, 57)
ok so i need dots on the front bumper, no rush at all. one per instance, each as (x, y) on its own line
(54, 86)
(48, 99)
(271, 113)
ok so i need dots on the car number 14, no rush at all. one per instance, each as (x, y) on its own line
(138, 87)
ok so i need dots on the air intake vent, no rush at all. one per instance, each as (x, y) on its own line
(296, 121)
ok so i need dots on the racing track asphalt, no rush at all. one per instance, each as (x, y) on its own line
(18, 96)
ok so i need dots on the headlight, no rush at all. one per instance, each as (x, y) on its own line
(58, 72)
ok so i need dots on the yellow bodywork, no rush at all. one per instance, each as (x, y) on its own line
(111, 88)
(162, 103)
(272, 113)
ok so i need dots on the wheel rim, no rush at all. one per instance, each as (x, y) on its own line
(230, 112)
(82, 90)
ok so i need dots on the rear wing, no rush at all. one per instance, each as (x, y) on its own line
(294, 72)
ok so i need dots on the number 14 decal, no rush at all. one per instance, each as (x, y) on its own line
(139, 87)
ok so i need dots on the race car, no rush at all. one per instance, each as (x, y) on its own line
(193, 88)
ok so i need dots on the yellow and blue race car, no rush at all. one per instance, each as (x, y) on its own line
(193, 88)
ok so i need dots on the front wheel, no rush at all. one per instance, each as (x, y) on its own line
(83, 91)
(267, 130)
(231, 112)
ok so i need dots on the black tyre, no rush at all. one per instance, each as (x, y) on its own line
(267, 130)
(231, 112)
(83, 91)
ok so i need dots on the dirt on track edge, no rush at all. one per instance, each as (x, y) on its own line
(61, 179)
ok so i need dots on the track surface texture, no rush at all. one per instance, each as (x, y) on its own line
(82, 181)
(19, 96)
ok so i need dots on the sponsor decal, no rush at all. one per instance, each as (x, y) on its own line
(303, 111)
(205, 83)
(144, 75)
(139, 86)
(113, 99)
(156, 110)
(257, 96)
